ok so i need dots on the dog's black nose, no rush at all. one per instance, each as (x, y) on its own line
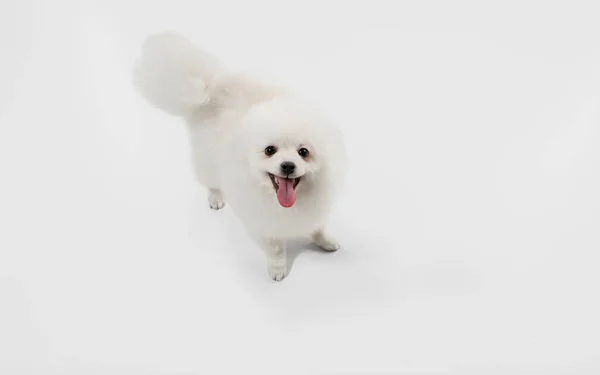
(287, 168)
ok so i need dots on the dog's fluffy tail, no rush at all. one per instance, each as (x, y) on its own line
(173, 74)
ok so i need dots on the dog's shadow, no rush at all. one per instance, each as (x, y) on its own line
(367, 274)
(296, 247)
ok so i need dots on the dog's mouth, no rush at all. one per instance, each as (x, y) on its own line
(285, 189)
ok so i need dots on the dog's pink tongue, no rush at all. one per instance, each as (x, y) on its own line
(285, 194)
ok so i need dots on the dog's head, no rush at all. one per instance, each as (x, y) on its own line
(293, 151)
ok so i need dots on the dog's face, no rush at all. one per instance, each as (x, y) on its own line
(292, 152)
(286, 162)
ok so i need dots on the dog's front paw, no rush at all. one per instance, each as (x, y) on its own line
(278, 273)
(325, 242)
(216, 204)
(215, 199)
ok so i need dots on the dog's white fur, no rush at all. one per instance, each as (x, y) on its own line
(231, 119)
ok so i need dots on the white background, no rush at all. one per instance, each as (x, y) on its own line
(470, 223)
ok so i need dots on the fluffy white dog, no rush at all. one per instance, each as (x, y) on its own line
(273, 157)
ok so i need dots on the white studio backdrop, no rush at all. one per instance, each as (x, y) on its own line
(469, 225)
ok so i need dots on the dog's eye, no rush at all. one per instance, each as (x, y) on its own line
(270, 150)
(303, 152)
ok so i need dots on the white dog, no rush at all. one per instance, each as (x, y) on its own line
(274, 158)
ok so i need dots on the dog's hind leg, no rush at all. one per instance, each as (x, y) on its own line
(324, 241)
(215, 199)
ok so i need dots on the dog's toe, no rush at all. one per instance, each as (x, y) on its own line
(329, 246)
(277, 273)
(215, 200)
(216, 204)
(324, 242)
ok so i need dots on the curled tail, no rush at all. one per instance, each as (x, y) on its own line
(173, 73)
